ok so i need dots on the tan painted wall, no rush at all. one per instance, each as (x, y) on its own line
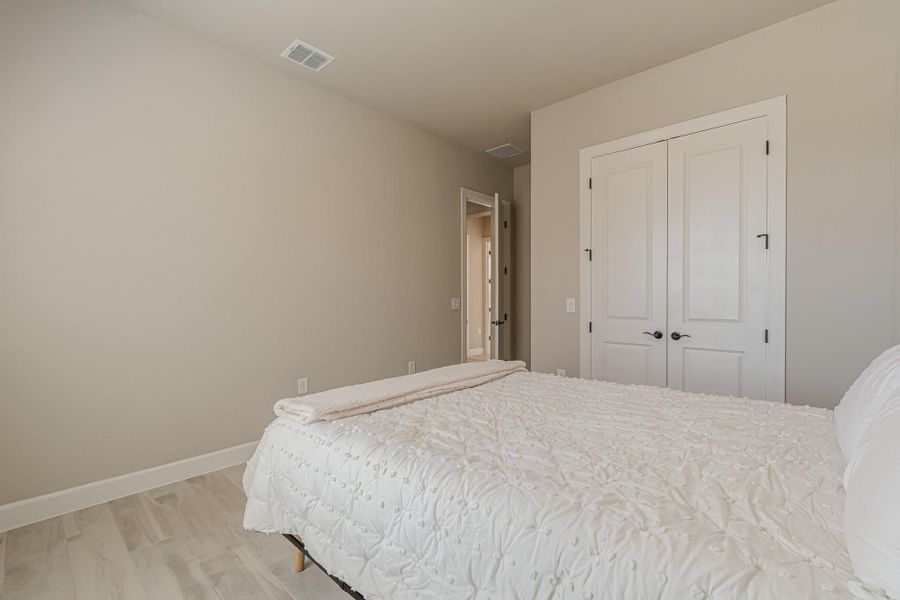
(837, 66)
(521, 271)
(184, 232)
(897, 224)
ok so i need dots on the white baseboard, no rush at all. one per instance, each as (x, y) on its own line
(475, 351)
(32, 510)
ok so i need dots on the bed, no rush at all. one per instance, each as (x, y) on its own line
(538, 486)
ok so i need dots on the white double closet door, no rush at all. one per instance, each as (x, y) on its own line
(679, 268)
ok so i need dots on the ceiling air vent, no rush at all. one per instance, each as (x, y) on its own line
(505, 151)
(308, 56)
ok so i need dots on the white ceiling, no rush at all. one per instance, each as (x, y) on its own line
(469, 70)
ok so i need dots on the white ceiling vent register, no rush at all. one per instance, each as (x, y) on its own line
(308, 56)
(505, 151)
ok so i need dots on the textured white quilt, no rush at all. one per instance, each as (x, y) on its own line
(535, 486)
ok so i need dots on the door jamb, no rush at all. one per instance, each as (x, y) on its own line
(466, 196)
(775, 111)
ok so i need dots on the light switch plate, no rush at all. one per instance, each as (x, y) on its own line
(561, 372)
(303, 386)
(454, 304)
(411, 367)
(570, 305)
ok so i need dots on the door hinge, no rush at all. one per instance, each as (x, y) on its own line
(505, 271)
(766, 337)
(590, 254)
(505, 224)
(590, 183)
(767, 147)
(505, 317)
(590, 327)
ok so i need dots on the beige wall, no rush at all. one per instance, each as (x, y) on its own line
(897, 224)
(521, 271)
(184, 232)
(837, 66)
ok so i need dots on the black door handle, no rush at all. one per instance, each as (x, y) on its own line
(677, 336)
(657, 334)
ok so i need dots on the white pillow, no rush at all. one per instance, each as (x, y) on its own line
(872, 509)
(864, 399)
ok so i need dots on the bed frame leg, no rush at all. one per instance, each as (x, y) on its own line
(299, 561)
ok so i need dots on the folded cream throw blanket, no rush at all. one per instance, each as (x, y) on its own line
(387, 393)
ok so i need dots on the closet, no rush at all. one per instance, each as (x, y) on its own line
(680, 289)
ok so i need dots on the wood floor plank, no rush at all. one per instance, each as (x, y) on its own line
(217, 489)
(101, 566)
(235, 475)
(238, 575)
(196, 519)
(80, 521)
(181, 541)
(169, 572)
(37, 563)
(141, 522)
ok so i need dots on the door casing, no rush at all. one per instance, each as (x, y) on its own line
(775, 112)
(500, 243)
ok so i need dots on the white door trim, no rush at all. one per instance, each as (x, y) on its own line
(465, 196)
(775, 111)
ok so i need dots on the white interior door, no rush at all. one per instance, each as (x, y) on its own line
(628, 266)
(496, 297)
(717, 263)
(488, 297)
(503, 242)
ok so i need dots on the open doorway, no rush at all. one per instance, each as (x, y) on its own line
(485, 266)
(478, 283)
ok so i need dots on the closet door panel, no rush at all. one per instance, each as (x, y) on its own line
(628, 270)
(717, 265)
(712, 225)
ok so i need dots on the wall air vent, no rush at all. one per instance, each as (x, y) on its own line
(308, 56)
(505, 151)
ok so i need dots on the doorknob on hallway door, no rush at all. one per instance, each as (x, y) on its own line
(657, 334)
(677, 336)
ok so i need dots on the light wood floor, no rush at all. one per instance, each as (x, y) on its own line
(183, 540)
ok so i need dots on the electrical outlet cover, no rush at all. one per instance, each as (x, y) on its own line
(411, 367)
(303, 386)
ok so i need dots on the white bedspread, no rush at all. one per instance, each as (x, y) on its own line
(535, 486)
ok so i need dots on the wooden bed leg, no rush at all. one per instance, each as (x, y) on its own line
(299, 561)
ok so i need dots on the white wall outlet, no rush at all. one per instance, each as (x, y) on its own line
(570, 305)
(411, 367)
(454, 304)
(561, 372)
(303, 386)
